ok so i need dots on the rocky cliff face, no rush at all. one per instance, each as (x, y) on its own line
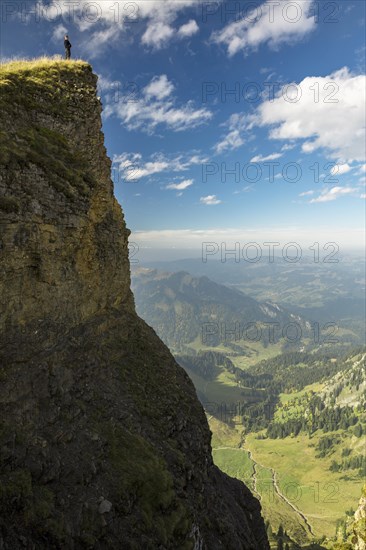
(359, 526)
(103, 443)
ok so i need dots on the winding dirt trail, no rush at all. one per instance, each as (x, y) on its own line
(306, 526)
(277, 489)
(254, 474)
(285, 499)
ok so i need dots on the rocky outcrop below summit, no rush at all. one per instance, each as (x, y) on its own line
(359, 526)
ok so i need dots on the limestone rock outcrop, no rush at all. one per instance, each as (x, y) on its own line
(359, 525)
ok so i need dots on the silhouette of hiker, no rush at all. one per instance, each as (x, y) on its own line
(68, 47)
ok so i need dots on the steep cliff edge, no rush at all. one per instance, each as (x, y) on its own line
(103, 443)
(359, 526)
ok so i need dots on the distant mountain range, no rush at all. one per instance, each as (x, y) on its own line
(318, 289)
(195, 310)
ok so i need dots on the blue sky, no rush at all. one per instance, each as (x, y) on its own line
(281, 158)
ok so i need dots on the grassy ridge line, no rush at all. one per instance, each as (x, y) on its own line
(23, 64)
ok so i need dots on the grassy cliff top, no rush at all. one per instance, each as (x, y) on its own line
(22, 82)
(41, 68)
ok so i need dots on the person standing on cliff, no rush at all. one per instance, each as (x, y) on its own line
(68, 47)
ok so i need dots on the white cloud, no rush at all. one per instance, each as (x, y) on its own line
(106, 22)
(260, 158)
(157, 35)
(108, 88)
(132, 167)
(323, 112)
(274, 23)
(334, 193)
(188, 29)
(234, 138)
(161, 16)
(340, 169)
(180, 186)
(329, 114)
(265, 70)
(363, 196)
(155, 106)
(99, 39)
(245, 189)
(59, 32)
(210, 200)
(288, 146)
(196, 159)
(306, 193)
(346, 237)
(159, 87)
